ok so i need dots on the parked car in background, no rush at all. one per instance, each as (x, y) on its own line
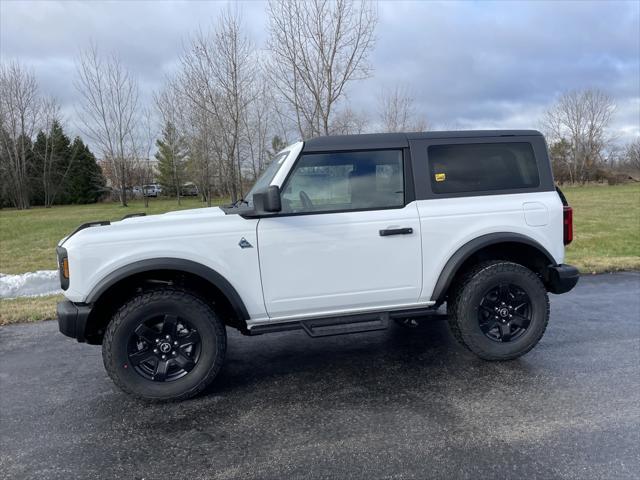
(189, 189)
(152, 190)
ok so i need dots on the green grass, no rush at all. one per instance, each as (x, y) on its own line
(606, 225)
(28, 237)
(606, 237)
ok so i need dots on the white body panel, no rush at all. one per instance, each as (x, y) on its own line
(315, 264)
(448, 224)
(206, 236)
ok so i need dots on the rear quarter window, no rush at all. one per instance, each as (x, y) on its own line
(482, 167)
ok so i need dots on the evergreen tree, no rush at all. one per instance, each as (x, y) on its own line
(171, 155)
(85, 182)
(51, 160)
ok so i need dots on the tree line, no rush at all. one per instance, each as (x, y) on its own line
(230, 105)
(581, 150)
(39, 163)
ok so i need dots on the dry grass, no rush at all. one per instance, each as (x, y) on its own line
(28, 309)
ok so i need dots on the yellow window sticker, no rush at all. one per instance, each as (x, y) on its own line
(440, 177)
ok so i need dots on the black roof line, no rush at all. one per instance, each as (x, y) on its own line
(401, 140)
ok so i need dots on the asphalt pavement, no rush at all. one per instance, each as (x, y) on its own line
(389, 404)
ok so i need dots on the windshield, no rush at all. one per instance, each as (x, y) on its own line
(265, 179)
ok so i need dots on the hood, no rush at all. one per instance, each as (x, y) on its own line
(162, 217)
(150, 226)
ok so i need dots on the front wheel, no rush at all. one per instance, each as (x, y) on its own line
(499, 310)
(165, 344)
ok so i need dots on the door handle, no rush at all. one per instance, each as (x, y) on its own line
(396, 231)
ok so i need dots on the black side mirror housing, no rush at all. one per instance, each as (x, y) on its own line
(267, 200)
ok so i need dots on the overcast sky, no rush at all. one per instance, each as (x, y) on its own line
(467, 65)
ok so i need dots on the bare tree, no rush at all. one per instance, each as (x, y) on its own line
(257, 131)
(143, 140)
(317, 48)
(205, 164)
(397, 112)
(218, 71)
(581, 117)
(19, 115)
(348, 122)
(632, 156)
(109, 113)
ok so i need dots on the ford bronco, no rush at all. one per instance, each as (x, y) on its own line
(340, 234)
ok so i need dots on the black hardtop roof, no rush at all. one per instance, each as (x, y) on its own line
(400, 140)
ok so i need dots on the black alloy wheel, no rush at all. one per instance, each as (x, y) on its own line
(505, 312)
(164, 349)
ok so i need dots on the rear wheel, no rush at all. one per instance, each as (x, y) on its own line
(166, 344)
(499, 310)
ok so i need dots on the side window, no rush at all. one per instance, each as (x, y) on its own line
(323, 182)
(482, 167)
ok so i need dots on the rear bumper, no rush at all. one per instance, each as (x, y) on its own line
(562, 278)
(72, 319)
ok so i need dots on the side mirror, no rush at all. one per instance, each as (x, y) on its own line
(267, 200)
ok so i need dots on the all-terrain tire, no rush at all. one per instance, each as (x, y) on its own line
(464, 303)
(164, 301)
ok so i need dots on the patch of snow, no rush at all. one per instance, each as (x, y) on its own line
(31, 284)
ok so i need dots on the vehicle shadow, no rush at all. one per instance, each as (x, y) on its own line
(377, 361)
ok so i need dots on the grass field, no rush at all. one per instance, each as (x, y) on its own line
(606, 228)
(606, 236)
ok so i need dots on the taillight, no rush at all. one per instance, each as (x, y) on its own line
(567, 220)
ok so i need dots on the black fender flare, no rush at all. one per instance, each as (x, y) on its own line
(177, 264)
(463, 253)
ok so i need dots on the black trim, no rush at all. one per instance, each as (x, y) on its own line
(97, 223)
(395, 231)
(72, 319)
(172, 264)
(133, 215)
(562, 278)
(349, 320)
(382, 141)
(457, 259)
(367, 141)
(329, 326)
(563, 199)
(250, 215)
(409, 183)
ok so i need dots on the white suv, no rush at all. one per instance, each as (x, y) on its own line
(339, 235)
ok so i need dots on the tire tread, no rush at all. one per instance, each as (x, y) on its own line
(147, 297)
(464, 288)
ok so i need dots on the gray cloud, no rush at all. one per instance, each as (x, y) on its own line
(470, 64)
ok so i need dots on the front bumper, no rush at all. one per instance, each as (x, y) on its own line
(562, 278)
(72, 319)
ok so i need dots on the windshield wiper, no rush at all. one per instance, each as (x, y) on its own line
(240, 202)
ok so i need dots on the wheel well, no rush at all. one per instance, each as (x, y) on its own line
(524, 254)
(117, 294)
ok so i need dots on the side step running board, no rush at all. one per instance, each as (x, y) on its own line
(324, 327)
